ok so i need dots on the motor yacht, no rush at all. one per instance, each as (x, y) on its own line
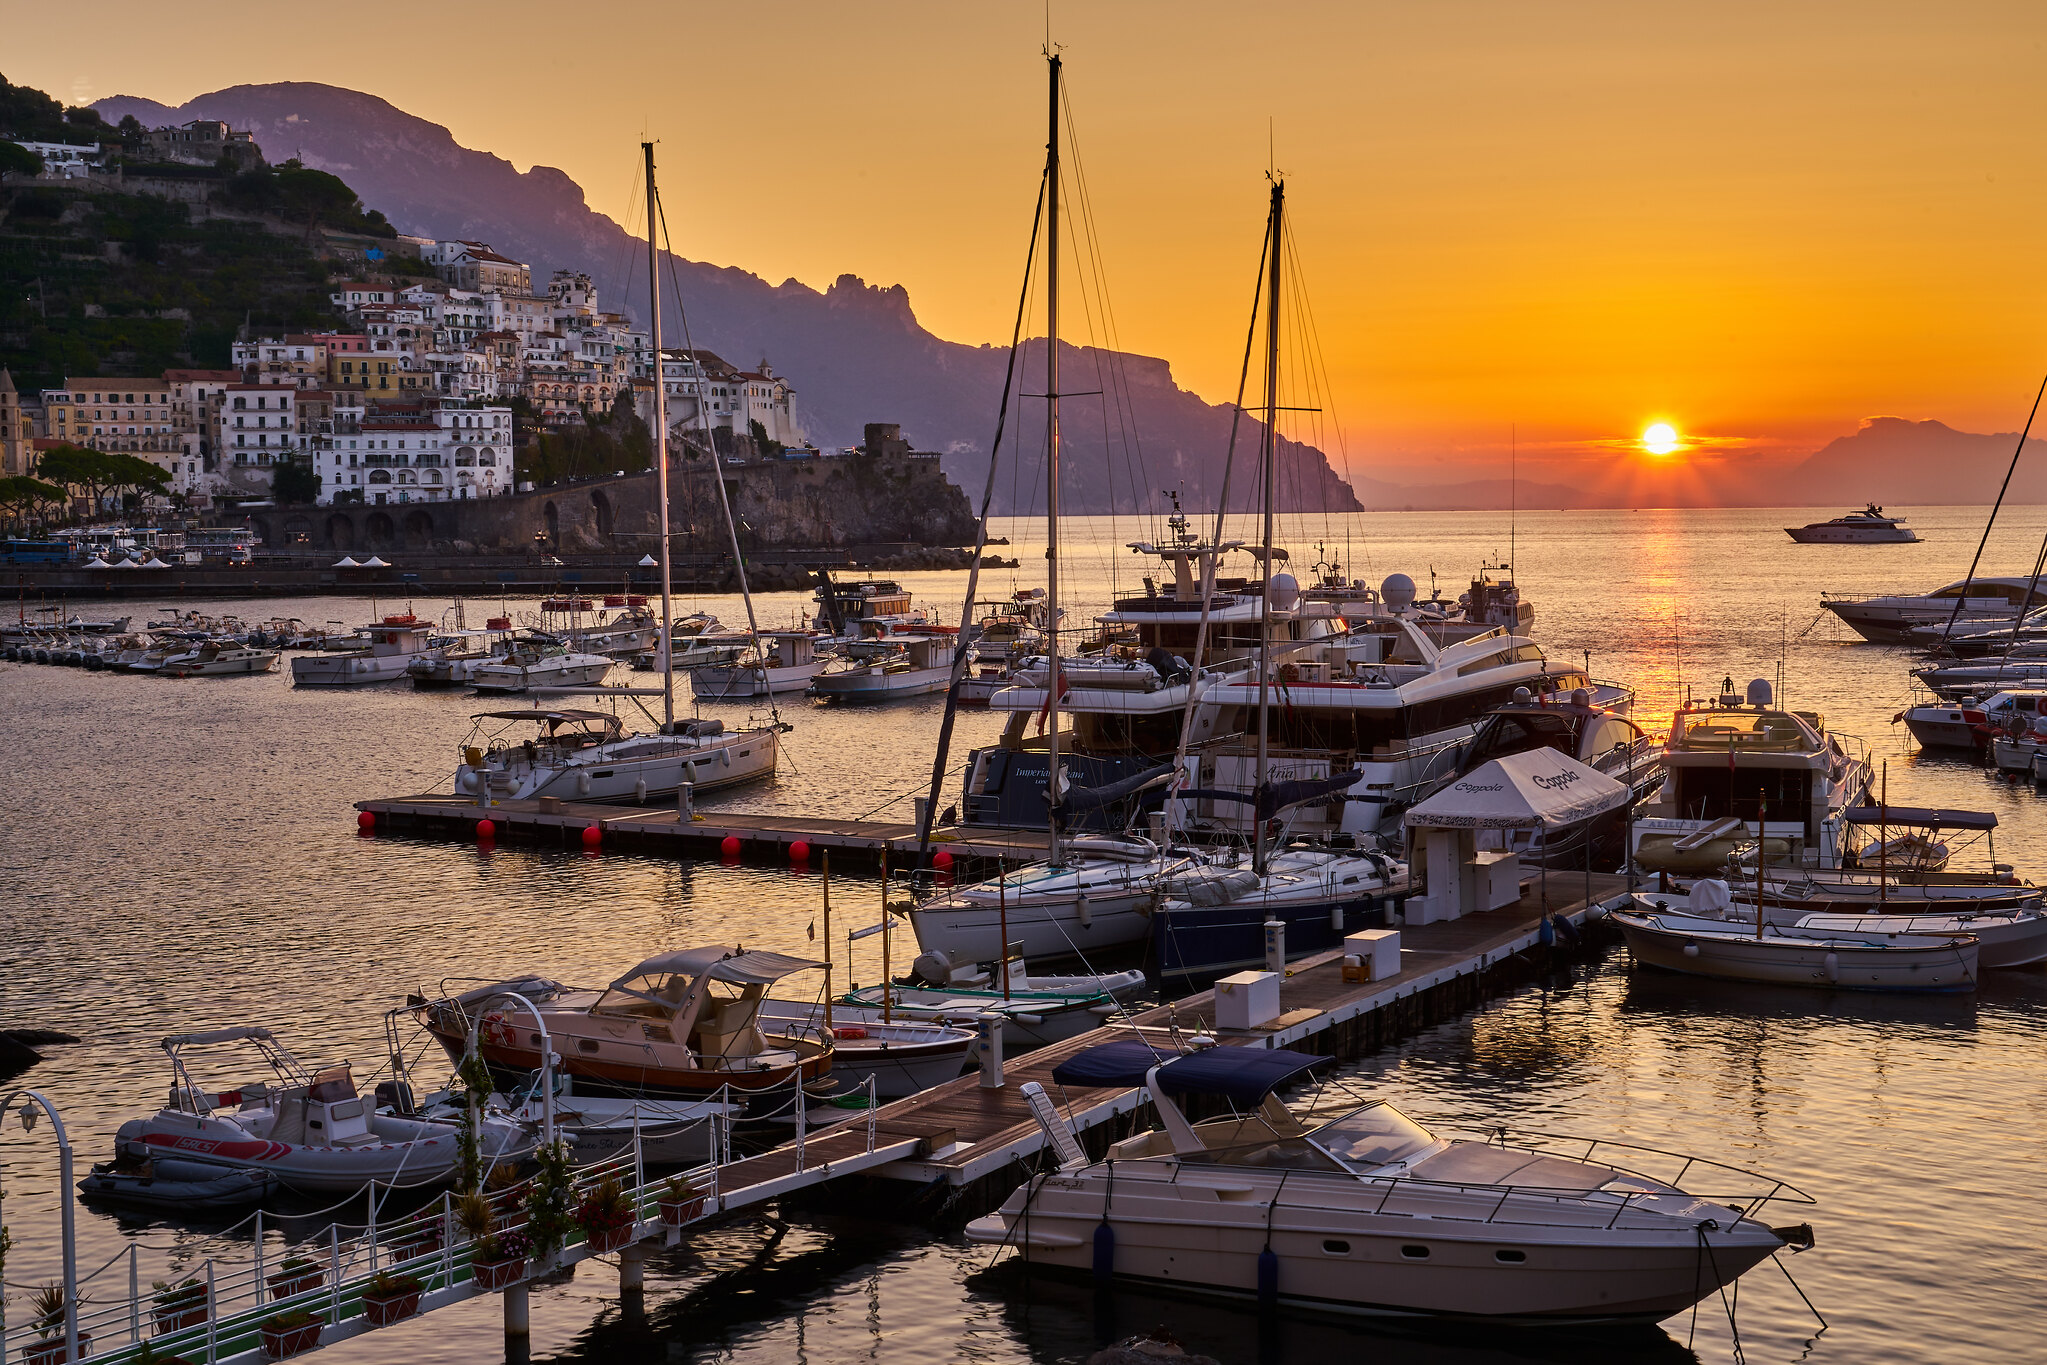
(578, 755)
(309, 1130)
(1981, 600)
(1835, 953)
(1732, 762)
(393, 645)
(1368, 1212)
(786, 662)
(885, 668)
(540, 661)
(453, 659)
(2024, 669)
(681, 1025)
(1868, 527)
(217, 658)
(860, 610)
(1972, 723)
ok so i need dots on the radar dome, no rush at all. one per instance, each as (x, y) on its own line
(1397, 591)
(1284, 590)
(1759, 692)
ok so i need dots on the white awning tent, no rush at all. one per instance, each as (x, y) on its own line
(1539, 789)
(376, 562)
(347, 562)
(649, 562)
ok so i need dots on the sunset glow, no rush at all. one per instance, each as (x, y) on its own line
(1660, 438)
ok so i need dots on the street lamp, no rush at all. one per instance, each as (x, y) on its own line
(29, 1101)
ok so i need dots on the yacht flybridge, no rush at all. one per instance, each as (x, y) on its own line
(1368, 1212)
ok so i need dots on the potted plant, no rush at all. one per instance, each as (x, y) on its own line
(179, 1305)
(286, 1334)
(607, 1217)
(499, 1258)
(416, 1236)
(46, 1316)
(295, 1276)
(503, 1186)
(682, 1201)
(387, 1298)
(475, 1215)
(550, 1199)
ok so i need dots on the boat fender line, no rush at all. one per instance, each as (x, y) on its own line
(1105, 1236)
(1084, 911)
(1268, 1261)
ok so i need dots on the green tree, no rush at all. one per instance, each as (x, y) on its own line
(15, 157)
(23, 496)
(292, 482)
(761, 444)
(99, 472)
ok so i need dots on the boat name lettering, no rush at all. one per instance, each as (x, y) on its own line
(1557, 782)
(1481, 786)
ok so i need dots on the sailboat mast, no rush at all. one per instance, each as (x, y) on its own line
(1271, 454)
(660, 453)
(1052, 678)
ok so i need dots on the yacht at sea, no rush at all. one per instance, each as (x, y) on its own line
(1868, 527)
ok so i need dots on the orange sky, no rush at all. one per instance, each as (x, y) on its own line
(1761, 222)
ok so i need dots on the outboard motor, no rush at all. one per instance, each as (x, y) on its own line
(396, 1096)
(933, 966)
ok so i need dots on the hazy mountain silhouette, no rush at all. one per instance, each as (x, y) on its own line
(1894, 460)
(855, 352)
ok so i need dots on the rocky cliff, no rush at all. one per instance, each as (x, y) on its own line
(855, 351)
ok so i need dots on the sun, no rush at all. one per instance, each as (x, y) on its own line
(1660, 438)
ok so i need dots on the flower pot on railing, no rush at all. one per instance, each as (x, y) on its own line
(390, 1298)
(176, 1307)
(53, 1352)
(293, 1279)
(676, 1212)
(288, 1334)
(413, 1242)
(604, 1240)
(498, 1274)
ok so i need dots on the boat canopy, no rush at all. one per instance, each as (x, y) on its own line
(554, 719)
(721, 963)
(219, 1035)
(1243, 1074)
(1923, 816)
(1539, 788)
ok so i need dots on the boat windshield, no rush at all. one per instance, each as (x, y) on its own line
(1724, 728)
(1372, 1136)
(652, 995)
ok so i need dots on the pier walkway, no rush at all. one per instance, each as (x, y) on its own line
(664, 831)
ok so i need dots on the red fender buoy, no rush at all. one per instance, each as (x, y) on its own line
(729, 846)
(799, 852)
(485, 831)
(941, 860)
(593, 835)
(366, 820)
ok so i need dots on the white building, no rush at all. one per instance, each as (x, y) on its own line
(62, 161)
(705, 390)
(258, 427)
(478, 441)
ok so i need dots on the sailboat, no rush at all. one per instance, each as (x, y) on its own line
(1201, 908)
(588, 755)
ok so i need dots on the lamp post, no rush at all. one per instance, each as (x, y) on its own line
(29, 1101)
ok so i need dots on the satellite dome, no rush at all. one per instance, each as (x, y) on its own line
(1397, 591)
(1759, 692)
(1284, 590)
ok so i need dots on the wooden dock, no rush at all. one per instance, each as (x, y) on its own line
(663, 831)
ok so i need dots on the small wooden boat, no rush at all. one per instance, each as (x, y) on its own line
(1678, 940)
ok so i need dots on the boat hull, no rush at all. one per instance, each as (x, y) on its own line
(1851, 535)
(1829, 964)
(348, 670)
(866, 685)
(726, 683)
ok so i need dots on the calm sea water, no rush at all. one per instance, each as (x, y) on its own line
(182, 855)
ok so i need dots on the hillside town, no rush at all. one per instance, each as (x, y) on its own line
(443, 360)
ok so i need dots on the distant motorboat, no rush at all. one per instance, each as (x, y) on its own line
(1662, 934)
(787, 662)
(393, 645)
(887, 667)
(217, 658)
(539, 661)
(1868, 527)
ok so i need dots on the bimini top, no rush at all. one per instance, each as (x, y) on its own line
(219, 1035)
(1244, 1074)
(553, 718)
(1920, 815)
(721, 963)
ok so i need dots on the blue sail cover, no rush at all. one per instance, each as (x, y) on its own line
(1243, 1074)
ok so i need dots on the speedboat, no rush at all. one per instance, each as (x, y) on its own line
(137, 1179)
(216, 658)
(1368, 1212)
(454, 659)
(903, 1055)
(393, 644)
(1733, 763)
(887, 667)
(539, 661)
(1826, 955)
(683, 1025)
(786, 662)
(587, 756)
(1889, 620)
(1971, 724)
(1868, 527)
(308, 1130)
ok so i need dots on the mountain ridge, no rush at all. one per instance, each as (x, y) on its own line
(855, 352)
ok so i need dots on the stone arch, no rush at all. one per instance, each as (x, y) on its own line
(552, 518)
(465, 456)
(380, 476)
(378, 531)
(261, 526)
(298, 530)
(419, 530)
(600, 513)
(341, 532)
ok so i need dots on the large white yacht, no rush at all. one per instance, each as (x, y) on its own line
(1368, 1212)
(1742, 769)
(1984, 599)
(1868, 527)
